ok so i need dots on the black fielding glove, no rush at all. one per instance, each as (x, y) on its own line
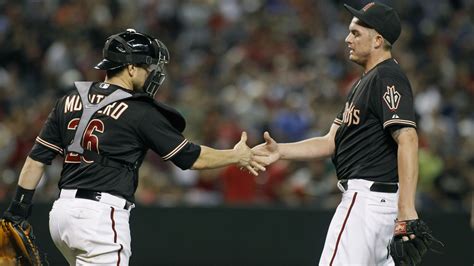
(411, 251)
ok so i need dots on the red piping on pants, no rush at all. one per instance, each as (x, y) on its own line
(112, 212)
(342, 229)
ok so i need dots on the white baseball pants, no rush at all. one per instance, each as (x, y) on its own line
(361, 227)
(89, 232)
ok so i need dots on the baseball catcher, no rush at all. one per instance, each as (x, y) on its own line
(103, 142)
(411, 240)
(17, 241)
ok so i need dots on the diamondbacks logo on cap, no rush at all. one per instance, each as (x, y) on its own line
(369, 5)
(392, 98)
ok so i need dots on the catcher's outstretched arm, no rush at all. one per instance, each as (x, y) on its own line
(31, 174)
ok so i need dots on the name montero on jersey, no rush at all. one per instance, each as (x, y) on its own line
(115, 110)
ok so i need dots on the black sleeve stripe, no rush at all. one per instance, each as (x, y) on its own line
(49, 145)
(176, 150)
(399, 122)
(337, 121)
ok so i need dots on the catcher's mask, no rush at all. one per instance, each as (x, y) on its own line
(131, 47)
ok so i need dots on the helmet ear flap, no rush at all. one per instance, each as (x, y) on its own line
(153, 82)
(161, 51)
(157, 76)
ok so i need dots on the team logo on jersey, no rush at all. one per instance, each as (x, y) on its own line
(351, 115)
(392, 98)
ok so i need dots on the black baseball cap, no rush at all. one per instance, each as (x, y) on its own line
(379, 17)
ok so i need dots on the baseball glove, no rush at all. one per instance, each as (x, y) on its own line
(17, 244)
(418, 240)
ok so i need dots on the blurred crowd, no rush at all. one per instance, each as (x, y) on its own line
(253, 65)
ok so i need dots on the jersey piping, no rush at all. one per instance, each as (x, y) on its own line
(399, 122)
(49, 145)
(176, 150)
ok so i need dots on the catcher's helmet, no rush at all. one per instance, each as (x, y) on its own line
(132, 47)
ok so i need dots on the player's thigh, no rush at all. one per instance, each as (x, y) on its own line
(110, 243)
(61, 227)
(346, 236)
(382, 210)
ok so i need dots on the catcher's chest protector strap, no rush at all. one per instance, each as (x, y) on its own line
(89, 109)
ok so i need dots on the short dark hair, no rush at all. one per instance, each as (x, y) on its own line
(115, 71)
(387, 46)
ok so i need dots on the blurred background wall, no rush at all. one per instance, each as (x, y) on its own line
(248, 236)
(251, 65)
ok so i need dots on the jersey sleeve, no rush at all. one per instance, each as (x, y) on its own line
(48, 143)
(393, 101)
(160, 136)
(338, 120)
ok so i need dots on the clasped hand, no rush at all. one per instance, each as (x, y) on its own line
(260, 156)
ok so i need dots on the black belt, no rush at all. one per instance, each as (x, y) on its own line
(96, 196)
(376, 186)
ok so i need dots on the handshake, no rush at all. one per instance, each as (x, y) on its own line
(257, 158)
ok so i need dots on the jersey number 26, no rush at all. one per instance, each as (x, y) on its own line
(89, 140)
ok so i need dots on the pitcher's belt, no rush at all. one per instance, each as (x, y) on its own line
(376, 186)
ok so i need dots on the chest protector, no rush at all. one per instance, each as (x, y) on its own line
(89, 109)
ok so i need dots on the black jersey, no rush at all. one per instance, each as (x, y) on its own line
(364, 146)
(122, 131)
